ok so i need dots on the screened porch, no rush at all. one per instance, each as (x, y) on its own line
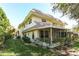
(52, 35)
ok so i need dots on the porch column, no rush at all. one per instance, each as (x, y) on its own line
(44, 35)
(51, 36)
(60, 34)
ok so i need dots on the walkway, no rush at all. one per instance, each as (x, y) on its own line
(70, 52)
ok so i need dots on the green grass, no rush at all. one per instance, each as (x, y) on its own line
(76, 45)
(7, 54)
(18, 48)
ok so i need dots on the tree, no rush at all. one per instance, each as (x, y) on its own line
(76, 29)
(10, 32)
(4, 23)
(70, 9)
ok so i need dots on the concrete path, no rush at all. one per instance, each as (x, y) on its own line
(70, 52)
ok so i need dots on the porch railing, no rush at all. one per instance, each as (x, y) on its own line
(47, 40)
(46, 43)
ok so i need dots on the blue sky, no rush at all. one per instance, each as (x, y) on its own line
(16, 12)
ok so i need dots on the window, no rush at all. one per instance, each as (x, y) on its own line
(44, 33)
(63, 34)
(43, 20)
(54, 23)
(33, 35)
(30, 21)
(41, 34)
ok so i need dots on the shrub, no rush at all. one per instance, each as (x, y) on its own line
(18, 37)
(8, 36)
(18, 48)
(15, 45)
(26, 39)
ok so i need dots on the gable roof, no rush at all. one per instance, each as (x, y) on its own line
(42, 15)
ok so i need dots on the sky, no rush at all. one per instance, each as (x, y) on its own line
(16, 12)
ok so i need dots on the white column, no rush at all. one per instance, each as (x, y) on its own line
(60, 34)
(51, 36)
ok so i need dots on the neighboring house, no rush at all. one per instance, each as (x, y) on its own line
(39, 26)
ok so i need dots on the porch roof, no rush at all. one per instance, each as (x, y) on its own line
(40, 25)
(72, 32)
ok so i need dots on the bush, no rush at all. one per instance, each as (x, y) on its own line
(18, 37)
(8, 36)
(18, 48)
(26, 39)
(15, 45)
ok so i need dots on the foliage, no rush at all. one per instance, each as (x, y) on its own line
(70, 9)
(18, 37)
(1, 31)
(19, 48)
(26, 39)
(76, 28)
(10, 32)
(4, 23)
(65, 41)
(76, 46)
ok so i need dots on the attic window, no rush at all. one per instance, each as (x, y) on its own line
(43, 20)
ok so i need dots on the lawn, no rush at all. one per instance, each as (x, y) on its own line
(76, 45)
(19, 48)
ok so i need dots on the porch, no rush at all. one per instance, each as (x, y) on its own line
(50, 37)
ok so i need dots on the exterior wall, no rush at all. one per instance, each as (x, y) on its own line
(29, 34)
(38, 19)
(36, 34)
(34, 18)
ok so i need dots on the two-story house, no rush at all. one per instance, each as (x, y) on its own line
(44, 27)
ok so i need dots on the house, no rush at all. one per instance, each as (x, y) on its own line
(43, 28)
